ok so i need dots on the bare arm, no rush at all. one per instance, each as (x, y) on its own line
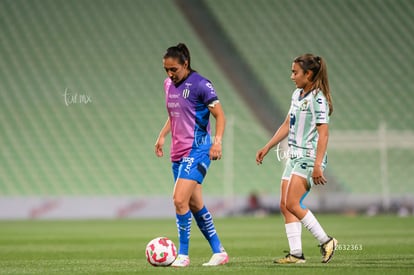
(280, 134)
(216, 148)
(323, 132)
(161, 138)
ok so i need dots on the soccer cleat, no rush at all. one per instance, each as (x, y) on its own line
(218, 259)
(181, 261)
(291, 259)
(328, 249)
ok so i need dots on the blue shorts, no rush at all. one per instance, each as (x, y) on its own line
(193, 167)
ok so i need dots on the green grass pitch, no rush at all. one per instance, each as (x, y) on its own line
(383, 244)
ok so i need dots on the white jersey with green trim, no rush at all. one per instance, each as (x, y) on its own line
(305, 113)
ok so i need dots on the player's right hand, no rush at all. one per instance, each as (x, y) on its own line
(261, 154)
(158, 151)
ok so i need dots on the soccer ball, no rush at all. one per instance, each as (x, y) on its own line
(161, 251)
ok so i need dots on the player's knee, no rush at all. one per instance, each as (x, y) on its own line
(195, 207)
(180, 203)
(293, 207)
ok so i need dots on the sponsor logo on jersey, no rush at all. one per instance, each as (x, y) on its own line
(174, 114)
(173, 105)
(210, 86)
(320, 115)
(190, 162)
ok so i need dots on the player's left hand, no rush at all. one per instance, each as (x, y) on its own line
(215, 151)
(317, 176)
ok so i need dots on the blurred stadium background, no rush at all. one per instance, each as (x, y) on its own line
(82, 102)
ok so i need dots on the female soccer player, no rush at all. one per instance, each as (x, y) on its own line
(190, 98)
(306, 127)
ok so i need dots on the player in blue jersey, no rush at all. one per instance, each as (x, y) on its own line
(306, 127)
(190, 98)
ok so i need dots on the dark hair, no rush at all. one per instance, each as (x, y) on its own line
(179, 52)
(317, 65)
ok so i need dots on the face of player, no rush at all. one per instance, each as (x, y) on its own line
(175, 71)
(301, 79)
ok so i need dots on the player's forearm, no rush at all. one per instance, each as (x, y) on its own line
(165, 129)
(218, 113)
(322, 146)
(279, 135)
(220, 125)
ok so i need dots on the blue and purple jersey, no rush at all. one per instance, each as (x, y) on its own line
(187, 105)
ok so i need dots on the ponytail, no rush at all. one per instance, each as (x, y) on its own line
(317, 65)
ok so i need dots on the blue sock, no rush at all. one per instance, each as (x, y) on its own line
(206, 225)
(184, 229)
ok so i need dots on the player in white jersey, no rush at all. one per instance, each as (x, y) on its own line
(306, 127)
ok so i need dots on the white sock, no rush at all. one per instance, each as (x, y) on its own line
(312, 224)
(294, 235)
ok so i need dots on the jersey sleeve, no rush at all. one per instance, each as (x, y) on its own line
(295, 94)
(167, 84)
(321, 109)
(206, 91)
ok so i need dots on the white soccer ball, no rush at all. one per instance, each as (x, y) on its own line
(161, 251)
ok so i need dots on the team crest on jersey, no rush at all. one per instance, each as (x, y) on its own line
(304, 105)
(186, 91)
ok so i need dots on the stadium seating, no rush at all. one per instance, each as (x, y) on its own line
(82, 98)
(367, 46)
